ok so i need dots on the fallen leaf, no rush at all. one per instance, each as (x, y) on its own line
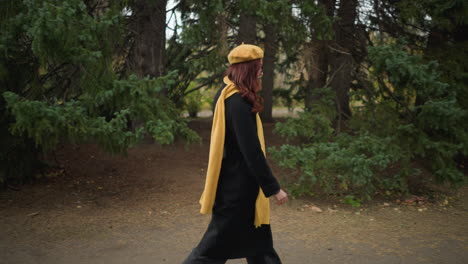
(316, 209)
(445, 202)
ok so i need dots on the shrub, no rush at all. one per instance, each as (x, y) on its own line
(409, 115)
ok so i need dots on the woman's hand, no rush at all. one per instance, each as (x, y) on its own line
(281, 197)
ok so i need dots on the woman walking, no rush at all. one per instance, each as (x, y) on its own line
(239, 180)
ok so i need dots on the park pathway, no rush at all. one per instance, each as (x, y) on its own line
(143, 209)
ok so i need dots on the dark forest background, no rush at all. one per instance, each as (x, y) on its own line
(383, 83)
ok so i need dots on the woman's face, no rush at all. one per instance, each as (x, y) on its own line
(260, 70)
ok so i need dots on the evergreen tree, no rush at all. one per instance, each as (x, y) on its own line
(408, 102)
(60, 84)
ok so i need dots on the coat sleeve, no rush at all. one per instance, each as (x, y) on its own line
(245, 130)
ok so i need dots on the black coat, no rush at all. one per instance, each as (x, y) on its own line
(231, 232)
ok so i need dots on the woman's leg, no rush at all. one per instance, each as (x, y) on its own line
(270, 257)
(196, 258)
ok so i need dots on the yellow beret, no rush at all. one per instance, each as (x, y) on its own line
(245, 52)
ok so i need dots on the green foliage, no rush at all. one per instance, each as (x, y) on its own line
(193, 103)
(308, 127)
(315, 17)
(351, 200)
(59, 83)
(389, 131)
(48, 124)
(314, 124)
(434, 127)
(349, 164)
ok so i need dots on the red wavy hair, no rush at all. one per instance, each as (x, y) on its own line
(245, 75)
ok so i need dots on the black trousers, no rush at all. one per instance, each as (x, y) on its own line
(268, 258)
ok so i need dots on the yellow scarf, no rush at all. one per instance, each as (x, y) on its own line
(262, 205)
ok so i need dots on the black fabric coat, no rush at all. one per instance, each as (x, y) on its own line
(231, 232)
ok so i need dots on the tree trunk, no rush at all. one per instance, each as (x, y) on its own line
(317, 71)
(150, 38)
(269, 72)
(342, 62)
(318, 61)
(223, 47)
(148, 54)
(247, 29)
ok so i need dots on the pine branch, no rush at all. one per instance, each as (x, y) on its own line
(208, 82)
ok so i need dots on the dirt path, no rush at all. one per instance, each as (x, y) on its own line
(143, 209)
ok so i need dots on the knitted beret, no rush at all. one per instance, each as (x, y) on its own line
(245, 52)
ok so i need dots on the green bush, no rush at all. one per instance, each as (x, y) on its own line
(342, 164)
(388, 137)
(193, 103)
